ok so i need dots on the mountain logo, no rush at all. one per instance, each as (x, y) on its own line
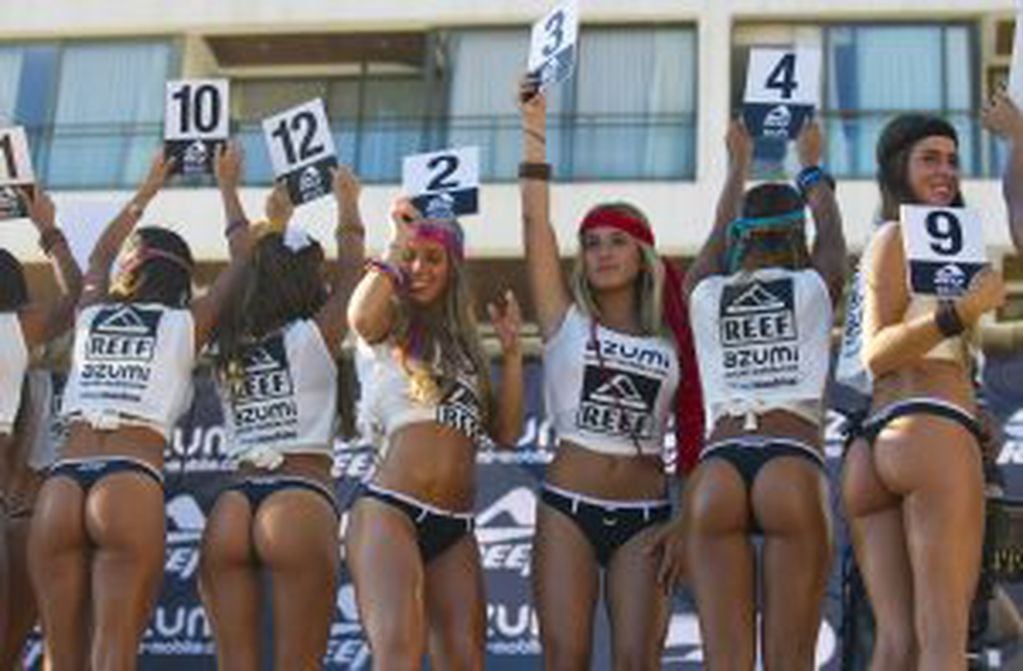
(259, 359)
(125, 320)
(195, 156)
(949, 279)
(779, 117)
(620, 389)
(755, 299)
(510, 518)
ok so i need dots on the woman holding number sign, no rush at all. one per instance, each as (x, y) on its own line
(427, 400)
(619, 363)
(283, 334)
(97, 536)
(24, 325)
(913, 484)
(762, 308)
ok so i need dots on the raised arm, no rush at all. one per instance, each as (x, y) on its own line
(371, 308)
(510, 400)
(1004, 119)
(41, 322)
(550, 293)
(828, 254)
(890, 342)
(206, 310)
(710, 259)
(109, 244)
(351, 253)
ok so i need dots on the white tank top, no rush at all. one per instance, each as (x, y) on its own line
(286, 400)
(131, 364)
(46, 389)
(762, 340)
(608, 391)
(13, 364)
(386, 403)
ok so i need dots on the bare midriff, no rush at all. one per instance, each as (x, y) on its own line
(137, 442)
(607, 476)
(433, 463)
(942, 380)
(310, 466)
(771, 424)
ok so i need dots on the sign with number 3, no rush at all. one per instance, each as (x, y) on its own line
(552, 51)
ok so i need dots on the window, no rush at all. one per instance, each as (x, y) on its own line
(871, 73)
(92, 109)
(641, 127)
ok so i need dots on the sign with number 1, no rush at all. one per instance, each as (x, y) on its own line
(15, 171)
(552, 51)
(302, 150)
(782, 89)
(195, 123)
(448, 178)
(944, 248)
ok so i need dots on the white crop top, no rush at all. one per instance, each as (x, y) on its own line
(608, 391)
(762, 340)
(386, 404)
(46, 391)
(13, 364)
(286, 398)
(131, 365)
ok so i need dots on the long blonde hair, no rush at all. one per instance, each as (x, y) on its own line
(450, 345)
(649, 285)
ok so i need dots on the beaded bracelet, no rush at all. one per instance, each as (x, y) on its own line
(392, 272)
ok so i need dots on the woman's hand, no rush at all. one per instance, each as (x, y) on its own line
(810, 144)
(507, 322)
(532, 105)
(985, 293)
(227, 165)
(739, 145)
(41, 209)
(159, 172)
(346, 186)
(403, 217)
(1002, 117)
(669, 546)
(279, 207)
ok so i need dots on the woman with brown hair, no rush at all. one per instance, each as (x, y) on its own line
(277, 348)
(97, 536)
(912, 483)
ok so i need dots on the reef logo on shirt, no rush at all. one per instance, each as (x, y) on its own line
(758, 333)
(460, 409)
(119, 349)
(263, 398)
(617, 402)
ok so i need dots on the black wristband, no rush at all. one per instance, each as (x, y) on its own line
(50, 238)
(810, 177)
(947, 319)
(540, 171)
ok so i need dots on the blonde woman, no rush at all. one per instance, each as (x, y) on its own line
(618, 363)
(426, 396)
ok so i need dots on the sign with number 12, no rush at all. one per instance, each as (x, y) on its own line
(302, 150)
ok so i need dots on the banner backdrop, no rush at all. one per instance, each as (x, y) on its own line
(178, 636)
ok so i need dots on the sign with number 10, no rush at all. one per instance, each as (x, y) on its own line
(195, 123)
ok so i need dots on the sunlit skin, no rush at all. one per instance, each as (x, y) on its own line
(427, 267)
(611, 258)
(933, 170)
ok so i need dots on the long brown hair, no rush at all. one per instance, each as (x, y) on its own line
(156, 279)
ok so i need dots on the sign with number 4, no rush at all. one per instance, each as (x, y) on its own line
(782, 89)
(944, 248)
(302, 150)
(552, 51)
(448, 179)
(15, 171)
(195, 123)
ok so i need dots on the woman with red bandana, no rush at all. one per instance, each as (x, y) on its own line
(97, 535)
(619, 363)
(762, 305)
(427, 404)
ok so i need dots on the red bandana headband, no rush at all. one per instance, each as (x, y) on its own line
(445, 233)
(690, 422)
